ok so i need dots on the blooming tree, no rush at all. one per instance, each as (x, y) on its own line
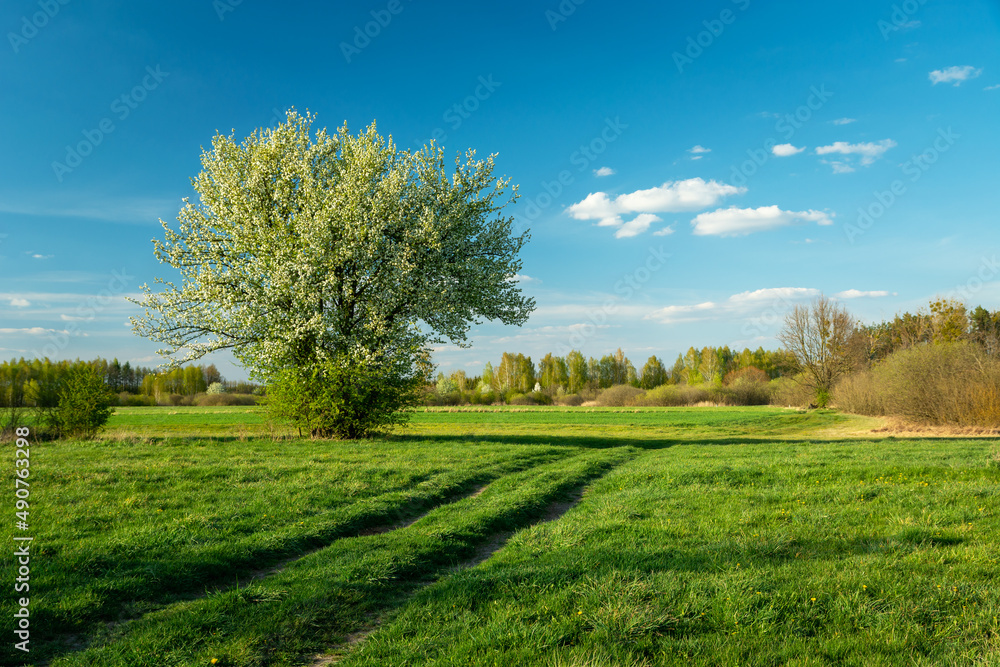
(326, 257)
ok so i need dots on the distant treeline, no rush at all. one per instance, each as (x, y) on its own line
(516, 377)
(36, 382)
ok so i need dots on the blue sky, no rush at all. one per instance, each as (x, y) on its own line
(689, 171)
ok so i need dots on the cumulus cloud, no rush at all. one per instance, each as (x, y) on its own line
(735, 221)
(859, 294)
(666, 231)
(785, 150)
(738, 305)
(682, 313)
(838, 166)
(18, 302)
(692, 194)
(699, 149)
(955, 75)
(774, 294)
(869, 151)
(636, 226)
(604, 171)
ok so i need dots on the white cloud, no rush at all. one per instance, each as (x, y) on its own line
(636, 226)
(666, 231)
(20, 303)
(774, 294)
(738, 305)
(869, 151)
(519, 278)
(604, 171)
(682, 313)
(858, 294)
(692, 194)
(838, 166)
(785, 150)
(699, 149)
(735, 221)
(37, 331)
(995, 87)
(956, 74)
(36, 256)
(845, 121)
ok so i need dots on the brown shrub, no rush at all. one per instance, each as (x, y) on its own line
(572, 400)
(213, 400)
(619, 396)
(674, 395)
(792, 392)
(861, 394)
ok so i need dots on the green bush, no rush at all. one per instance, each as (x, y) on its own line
(342, 399)
(520, 399)
(84, 404)
(128, 400)
(675, 395)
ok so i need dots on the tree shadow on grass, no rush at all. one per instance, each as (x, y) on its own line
(611, 441)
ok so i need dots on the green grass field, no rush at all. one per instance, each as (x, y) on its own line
(700, 536)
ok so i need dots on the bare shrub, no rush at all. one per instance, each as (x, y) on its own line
(620, 396)
(572, 400)
(214, 400)
(931, 383)
(749, 390)
(861, 394)
(792, 392)
(674, 395)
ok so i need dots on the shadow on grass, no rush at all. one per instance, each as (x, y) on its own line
(608, 442)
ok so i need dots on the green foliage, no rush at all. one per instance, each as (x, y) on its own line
(342, 399)
(84, 404)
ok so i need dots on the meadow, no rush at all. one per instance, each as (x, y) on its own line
(514, 536)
